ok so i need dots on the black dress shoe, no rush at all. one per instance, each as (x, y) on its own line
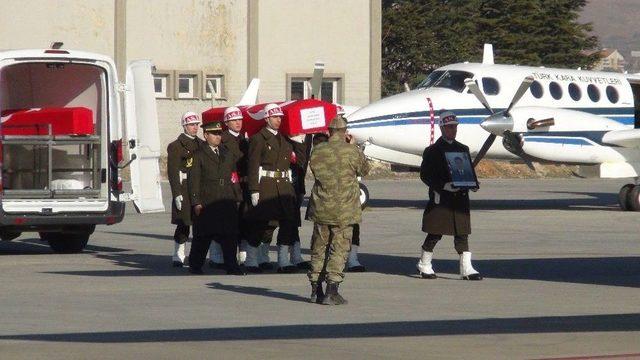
(289, 269)
(266, 266)
(253, 269)
(196, 271)
(428, 276)
(305, 265)
(236, 271)
(177, 263)
(357, 268)
(472, 277)
(217, 266)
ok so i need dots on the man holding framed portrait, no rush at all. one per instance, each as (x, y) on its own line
(446, 169)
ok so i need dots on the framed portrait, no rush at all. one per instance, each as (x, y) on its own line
(463, 176)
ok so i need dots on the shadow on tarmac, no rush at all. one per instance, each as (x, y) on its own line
(610, 271)
(35, 246)
(252, 290)
(524, 325)
(594, 201)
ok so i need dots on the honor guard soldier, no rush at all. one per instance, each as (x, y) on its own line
(238, 144)
(214, 202)
(179, 162)
(334, 208)
(447, 212)
(299, 159)
(273, 198)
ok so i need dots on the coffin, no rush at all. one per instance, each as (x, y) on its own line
(300, 116)
(64, 121)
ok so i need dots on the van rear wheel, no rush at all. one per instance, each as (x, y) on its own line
(65, 243)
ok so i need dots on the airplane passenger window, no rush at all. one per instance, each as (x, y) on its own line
(555, 90)
(575, 92)
(612, 94)
(593, 92)
(490, 86)
(536, 90)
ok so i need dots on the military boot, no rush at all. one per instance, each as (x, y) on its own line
(332, 297)
(467, 272)
(317, 295)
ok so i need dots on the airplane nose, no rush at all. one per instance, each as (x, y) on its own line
(361, 134)
(497, 124)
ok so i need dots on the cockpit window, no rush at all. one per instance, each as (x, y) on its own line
(450, 79)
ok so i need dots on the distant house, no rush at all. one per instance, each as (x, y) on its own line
(610, 60)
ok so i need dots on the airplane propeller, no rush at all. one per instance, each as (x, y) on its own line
(498, 122)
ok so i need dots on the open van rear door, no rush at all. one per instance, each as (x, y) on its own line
(143, 137)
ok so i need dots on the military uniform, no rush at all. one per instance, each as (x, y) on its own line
(334, 206)
(298, 168)
(268, 176)
(447, 212)
(179, 163)
(238, 146)
(212, 186)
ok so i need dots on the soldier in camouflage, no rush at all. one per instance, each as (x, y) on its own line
(334, 208)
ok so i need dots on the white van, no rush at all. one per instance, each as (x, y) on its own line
(61, 144)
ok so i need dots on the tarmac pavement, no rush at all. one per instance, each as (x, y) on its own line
(561, 266)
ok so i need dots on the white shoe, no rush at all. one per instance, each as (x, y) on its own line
(353, 265)
(284, 264)
(296, 253)
(263, 254)
(425, 267)
(178, 254)
(467, 272)
(215, 254)
(252, 257)
(242, 252)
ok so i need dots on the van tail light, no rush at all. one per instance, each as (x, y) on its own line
(1, 167)
(119, 155)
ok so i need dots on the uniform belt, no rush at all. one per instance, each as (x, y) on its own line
(284, 175)
(221, 182)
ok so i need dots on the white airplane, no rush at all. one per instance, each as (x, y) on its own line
(541, 114)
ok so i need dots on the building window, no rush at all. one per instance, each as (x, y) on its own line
(612, 94)
(490, 86)
(213, 84)
(575, 92)
(187, 85)
(593, 92)
(162, 84)
(331, 89)
(536, 90)
(555, 90)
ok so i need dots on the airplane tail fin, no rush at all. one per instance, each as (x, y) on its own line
(316, 80)
(250, 96)
(487, 55)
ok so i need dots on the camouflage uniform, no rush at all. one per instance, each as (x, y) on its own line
(334, 206)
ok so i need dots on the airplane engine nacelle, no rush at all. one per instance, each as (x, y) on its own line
(562, 135)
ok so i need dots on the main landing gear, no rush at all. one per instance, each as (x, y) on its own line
(629, 197)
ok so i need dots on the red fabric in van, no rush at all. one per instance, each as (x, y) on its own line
(64, 121)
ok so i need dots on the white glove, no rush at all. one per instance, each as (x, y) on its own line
(178, 202)
(449, 187)
(255, 197)
(298, 138)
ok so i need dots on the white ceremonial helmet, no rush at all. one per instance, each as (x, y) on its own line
(232, 113)
(340, 109)
(272, 110)
(189, 118)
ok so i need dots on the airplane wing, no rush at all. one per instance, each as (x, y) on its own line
(629, 138)
(251, 94)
